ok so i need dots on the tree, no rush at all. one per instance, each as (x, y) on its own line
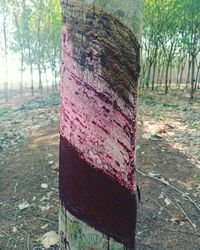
(100, 69)
(191, 13)
(4, 7)
(170, 42)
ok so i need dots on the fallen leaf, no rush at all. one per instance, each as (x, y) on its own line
(50, 239)
(23, 205)
(167, 201)
(44, 185)
(45, 226)
(14, 229)
(162, 195)
(178, 217)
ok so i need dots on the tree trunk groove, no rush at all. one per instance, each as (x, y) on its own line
(99, 75)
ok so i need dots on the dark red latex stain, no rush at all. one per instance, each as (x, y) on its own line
(95, 198)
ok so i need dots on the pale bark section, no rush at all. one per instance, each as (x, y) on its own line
(75, 234)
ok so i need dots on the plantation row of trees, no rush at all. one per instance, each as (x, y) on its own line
(170, 52)
(171, 44)
(31, 31)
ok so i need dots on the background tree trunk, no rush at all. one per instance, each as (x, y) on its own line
(100, 69)
(6, 58)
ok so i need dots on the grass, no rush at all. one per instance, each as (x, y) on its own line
(153, 102)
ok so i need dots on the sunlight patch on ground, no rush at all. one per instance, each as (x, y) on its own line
(48, 139)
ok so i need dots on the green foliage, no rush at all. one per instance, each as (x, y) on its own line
(3, 111)
(171, 38)
(194, 125)
(198, 179)
(36, 34)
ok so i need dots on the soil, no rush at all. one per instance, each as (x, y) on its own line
(168, 145)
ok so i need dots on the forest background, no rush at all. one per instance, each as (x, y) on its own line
(30, 46)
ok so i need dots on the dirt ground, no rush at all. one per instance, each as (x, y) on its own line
(168, 162)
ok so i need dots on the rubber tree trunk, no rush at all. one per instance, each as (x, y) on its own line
(99, 74)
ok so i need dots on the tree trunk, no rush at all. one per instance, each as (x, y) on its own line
(170, 77)
(197, 76)
(40, 78)
(181, 74)
(192, 75)
(154, 68)
(166, 78)
(100, 69)
(6, 58)
(32, 83)
(188, 74)
(21, 87)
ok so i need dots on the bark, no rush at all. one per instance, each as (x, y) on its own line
(40, 78)
(154, 68)
(170, 76)
(45, 73)
(30, 62)
(197, 76)
(181, 74)
(169, 59)
(21, 47)
(166, 77)
(188, 74)
(148, 77)
(159, 69)
(32, 83)
(21, 73)
(192, 75)
(6, 58)
(99, 72)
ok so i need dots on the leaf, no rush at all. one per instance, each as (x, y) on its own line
(167, 201)
(178, 217)
(162, 195)
(23, 205)
(50, 239)
(44, 185)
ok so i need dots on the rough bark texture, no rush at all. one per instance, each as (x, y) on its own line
(100, 68)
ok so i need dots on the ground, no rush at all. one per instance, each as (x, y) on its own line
(168, 162)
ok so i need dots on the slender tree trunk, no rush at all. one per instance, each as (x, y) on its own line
(166, 77)
(100, 69)
(170, 77)
(6, 58)
(192, 75)
(30, 66)
(32, 83)
(153, 76)
(148, 77)
(177, 77)
(21, 74)
(188, 74)
(143, 71)
(197, 76)
(47, 81)
(40, 77)
(55, 78)
(154, 68)
(181, 74)
(159, 69)
(158, 76)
